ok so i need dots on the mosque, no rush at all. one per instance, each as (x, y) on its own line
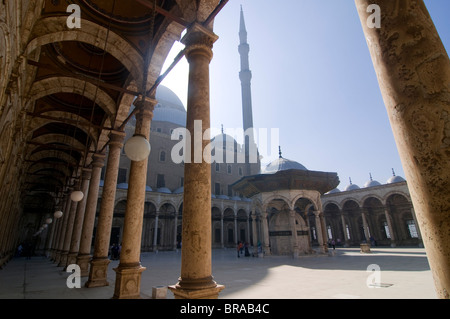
(72, 99)
(381, 213)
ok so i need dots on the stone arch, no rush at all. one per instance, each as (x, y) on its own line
(53, 29)
(63, 84)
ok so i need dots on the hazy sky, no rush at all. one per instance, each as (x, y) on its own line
(313, 79)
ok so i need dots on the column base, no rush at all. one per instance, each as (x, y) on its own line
(206, 293)
(98, 273)
(71, 258)
(83, 262)
(63, 259)
(128, 281)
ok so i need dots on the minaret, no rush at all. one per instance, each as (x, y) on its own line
(245, 75)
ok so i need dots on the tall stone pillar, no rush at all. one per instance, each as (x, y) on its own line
(68, 233)
(221, 230)
(365, 227)
(79, 218)
(413, 71)
(128, 273)
(99, 263)
(391, 229)
(155, 233)
(344, 229)
(265, 235)
(294, 237)
(175, 228)
(62, 230)
(320, 232)
(84, 254)
(255, 234)
(196, 279)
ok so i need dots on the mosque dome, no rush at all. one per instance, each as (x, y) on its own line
(225, 141)
(371, 182)
(333, 191)
(351, 187)
(395, 179)
(169, 107)
(282, 164)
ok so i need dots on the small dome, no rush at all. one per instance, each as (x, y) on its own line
(148, 189)
(164, 190)
(282, 164)
(179, 190)
(351, 187)
(223, 197)
(122, 186)
(395, 179)
(336, 190)
(236, 198)
(371, 183)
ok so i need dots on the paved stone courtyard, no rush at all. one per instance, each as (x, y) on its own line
(404, 274)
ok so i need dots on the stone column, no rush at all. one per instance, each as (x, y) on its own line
(265, 235)
(155, 233)
(62, 229)
(247, 238)
(320, 232)
(344, 229)
(175, 228)
(221, 230)
(196, 279)
(365, 227)
(79, 218)
(235, 230)
(413, 71)
(128, 273)
(68, 234)
(294, 237)
(413, 213)
(84, 254)
(391, 229)
(255, 234)
(99, 263)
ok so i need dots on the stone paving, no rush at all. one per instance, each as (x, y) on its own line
(404, 273)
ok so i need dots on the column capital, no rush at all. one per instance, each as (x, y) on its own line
(199, 38)
(116, 138)
(145, 104)
(86, 173)
(98, 160)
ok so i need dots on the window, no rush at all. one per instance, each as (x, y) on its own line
(240, 171)
(158, 129)
(230, 191)
(181, 181)
(122, 176)
(386, 229)
(229, 169)
(162, 156)
(412, 228)
(217, 189)
(160, 182)
(217, 167)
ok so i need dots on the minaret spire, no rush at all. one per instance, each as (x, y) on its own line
(245, 75)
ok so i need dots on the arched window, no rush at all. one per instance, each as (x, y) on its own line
(217, 167)
(229, 169)
(240, 171)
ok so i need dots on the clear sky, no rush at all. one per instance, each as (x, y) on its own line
(313, 79)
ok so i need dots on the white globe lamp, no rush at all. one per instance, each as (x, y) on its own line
(137, 148)
(76, 196)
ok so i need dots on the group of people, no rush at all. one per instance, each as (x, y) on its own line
(241, 247)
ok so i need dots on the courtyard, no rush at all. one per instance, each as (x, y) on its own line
(346, 273)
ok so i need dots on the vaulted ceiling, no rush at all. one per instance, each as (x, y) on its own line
(84, 80)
